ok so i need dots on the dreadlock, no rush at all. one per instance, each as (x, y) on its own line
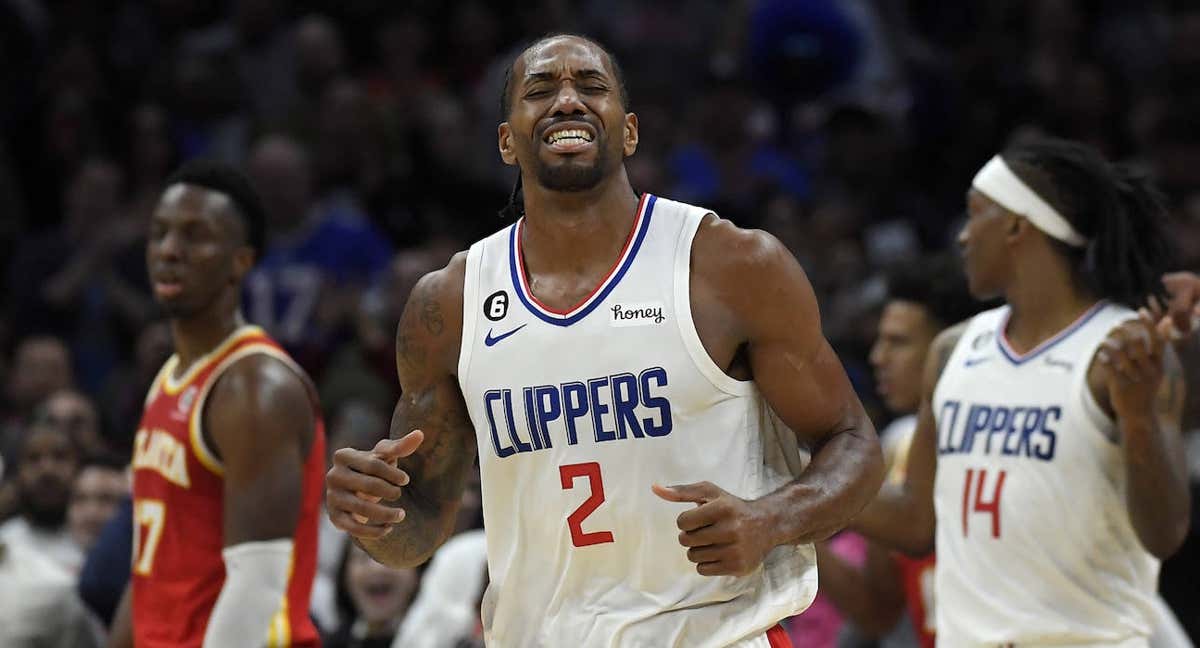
(1115, 207)
(515, 208)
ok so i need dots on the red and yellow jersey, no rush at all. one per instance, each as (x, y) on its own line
(178, 495)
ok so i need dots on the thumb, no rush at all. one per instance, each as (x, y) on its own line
(699, 492)
(393, 449)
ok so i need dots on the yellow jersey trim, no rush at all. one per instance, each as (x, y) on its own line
(195, 424)
(173, 386)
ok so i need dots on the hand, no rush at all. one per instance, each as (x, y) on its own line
(724, 534)
(1180, 316)
(1133, 356)
(360, 479)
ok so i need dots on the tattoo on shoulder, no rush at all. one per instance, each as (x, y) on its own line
(410, 351)
(431, 315)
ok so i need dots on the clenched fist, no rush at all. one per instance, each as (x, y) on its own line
(725, 535)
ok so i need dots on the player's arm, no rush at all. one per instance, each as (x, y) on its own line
(261, 421)
(901, 515)
(870, 596)
(120, 634)
(1179, 319)
(399, 500)
(771, 316)
(1141, 383)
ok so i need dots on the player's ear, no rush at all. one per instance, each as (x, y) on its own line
(505, 142)
(1017, 228)
(631, 134)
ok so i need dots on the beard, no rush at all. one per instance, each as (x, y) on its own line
(572, 176)
(46, 512)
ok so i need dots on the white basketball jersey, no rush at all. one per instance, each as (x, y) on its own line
(576, 414)
(1034, 541)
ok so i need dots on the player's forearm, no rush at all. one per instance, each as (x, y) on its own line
(842, 478)
(897, 519)
(413, 541)
(1157, 491)
(121, 633)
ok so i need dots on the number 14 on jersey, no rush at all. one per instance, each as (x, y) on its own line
(974, 501)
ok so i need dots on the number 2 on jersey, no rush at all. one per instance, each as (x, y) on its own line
(591, 470)
(977, 504)
(151, 514)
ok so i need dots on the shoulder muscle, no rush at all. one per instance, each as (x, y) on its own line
(754, 277)
(259, 402)
(429, 335)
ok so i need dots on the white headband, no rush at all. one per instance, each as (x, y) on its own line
(999, 183)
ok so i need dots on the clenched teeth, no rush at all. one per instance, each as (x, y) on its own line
(568, 134)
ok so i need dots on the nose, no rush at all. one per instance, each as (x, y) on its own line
(169, 247)
(567, 101)
(962, 236)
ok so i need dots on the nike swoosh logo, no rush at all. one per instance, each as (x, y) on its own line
(491, 341)
(971, 362)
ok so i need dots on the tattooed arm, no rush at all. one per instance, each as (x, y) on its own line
(399, 500)
(1138, 379)
(902, 515)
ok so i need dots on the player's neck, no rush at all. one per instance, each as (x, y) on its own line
(202, 332)
(578, 230)
(1042, 309)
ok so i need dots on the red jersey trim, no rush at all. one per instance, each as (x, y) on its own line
(173, 386)
(195, 425)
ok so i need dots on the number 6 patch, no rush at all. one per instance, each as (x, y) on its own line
(495, 307)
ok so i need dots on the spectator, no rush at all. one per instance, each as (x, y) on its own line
(319, 256)
(85, 280)
(125, 394)
(75, 413)
(47, 464)
(105, 572)
(95, 497)
(374, 600)
(41, 366)
(38, 606)
(446, 611)
(357, 423)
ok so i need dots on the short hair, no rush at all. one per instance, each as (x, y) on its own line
(937, 284)
(618, 74)
(224, 178)
(1116, 207)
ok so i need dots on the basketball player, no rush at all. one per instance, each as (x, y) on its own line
(1048, 444)
(229, 455)
(635, 375)
(924, 298)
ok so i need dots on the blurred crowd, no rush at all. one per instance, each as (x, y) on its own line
(848, 128)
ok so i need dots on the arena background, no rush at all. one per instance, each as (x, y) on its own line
(850, 129)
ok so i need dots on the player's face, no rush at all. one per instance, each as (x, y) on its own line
(567, 125)
(46, 470)
(898, 355)
(982, 239)
(193, 253)
(380, 593)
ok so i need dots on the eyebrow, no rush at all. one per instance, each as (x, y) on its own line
(589, 73)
